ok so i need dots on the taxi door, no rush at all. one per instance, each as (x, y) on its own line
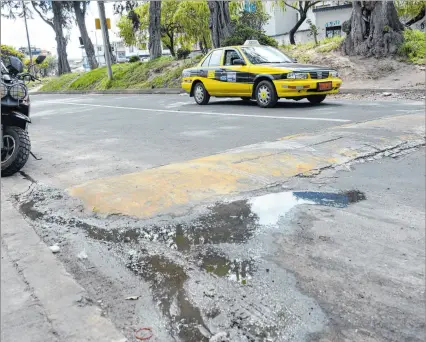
(209, 70)
(235, 78)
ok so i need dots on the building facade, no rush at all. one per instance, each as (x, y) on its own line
(328, 16)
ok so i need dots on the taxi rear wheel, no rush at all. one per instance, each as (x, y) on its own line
(315, 99)
(266, 96)
(201, 95)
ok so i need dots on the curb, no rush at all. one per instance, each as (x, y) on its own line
(174, 91)
(55, 289)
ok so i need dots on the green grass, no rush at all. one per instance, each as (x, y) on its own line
(414, 47)
(59, 83)
(302, 51)
(163, 72)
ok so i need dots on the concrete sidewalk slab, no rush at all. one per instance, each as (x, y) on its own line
(174, 188)
(37, 287)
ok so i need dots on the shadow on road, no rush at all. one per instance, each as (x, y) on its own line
(280, 104)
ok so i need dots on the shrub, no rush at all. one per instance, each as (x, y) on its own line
(414, 46)
(134, 59)
(7, 50)
(183, 53)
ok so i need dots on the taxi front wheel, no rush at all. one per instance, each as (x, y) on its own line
(315, 99)
(201, 95)
(266, 96)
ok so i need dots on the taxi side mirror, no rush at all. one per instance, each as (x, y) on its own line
(238, 62)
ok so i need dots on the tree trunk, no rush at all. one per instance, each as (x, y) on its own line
(101, 6)
(88, 46)
(61, 43)
(296, 27)
(219, 21)
(206, 47)
(374, 29)
(154, 43)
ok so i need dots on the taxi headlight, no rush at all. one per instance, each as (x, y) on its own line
(3, 90)
(334, 74)
(297, 75)
(18, 92)
(186, 74)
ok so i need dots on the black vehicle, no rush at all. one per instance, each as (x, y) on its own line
(15, 114)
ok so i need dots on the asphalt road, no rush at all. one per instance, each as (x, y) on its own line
(87, 137)
(336, 255)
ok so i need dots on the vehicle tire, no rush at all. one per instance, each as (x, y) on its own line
(316, 99)
(266, 96)
(16, 150)
(201, 96)
(246, 98)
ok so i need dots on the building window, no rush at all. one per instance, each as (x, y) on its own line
(131, 49)
(99, 48)
(333, 31)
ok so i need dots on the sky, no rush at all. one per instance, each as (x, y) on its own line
(42, 35)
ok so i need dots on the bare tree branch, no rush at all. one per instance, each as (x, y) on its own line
(41, 15)
(285, 3)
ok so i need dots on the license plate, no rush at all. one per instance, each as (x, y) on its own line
(324, 86)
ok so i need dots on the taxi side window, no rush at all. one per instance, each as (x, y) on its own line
(230, 56)
(206, 61)
(215, 58)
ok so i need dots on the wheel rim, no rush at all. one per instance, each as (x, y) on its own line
(264, 95)
(8, 148)
(199, 93)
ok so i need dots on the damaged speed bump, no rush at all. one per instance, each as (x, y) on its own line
(174, 188)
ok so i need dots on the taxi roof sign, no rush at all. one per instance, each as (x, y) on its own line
(251, 42)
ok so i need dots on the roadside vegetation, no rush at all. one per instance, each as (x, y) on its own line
(413, 49)
(304, 52)
(163, 72)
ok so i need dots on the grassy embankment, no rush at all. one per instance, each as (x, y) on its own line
(165, 72)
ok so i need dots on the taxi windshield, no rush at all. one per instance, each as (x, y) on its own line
(264, 55)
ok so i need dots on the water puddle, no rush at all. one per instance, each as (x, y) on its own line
(240, 271)
(27, 209)
(234, 222)
(269, 208)
(167, 280)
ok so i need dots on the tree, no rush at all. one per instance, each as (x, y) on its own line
(194, 19)
(374, 29)
(412, 11)
(154, 44)
(313, 31)
(56, 15)
(80, 14)
(12, 9)
(219, 21)
(170, 25)
(302, 8)
(248, 24)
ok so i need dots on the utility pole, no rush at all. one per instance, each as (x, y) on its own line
(28, 36)
(104, 35)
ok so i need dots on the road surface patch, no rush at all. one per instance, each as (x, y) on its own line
(174, 188)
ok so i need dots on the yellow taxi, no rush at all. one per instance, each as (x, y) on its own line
(257, 72)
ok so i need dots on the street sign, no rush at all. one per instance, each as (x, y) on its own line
(98, 23)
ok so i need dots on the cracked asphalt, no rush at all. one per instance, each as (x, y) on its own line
(333, 255)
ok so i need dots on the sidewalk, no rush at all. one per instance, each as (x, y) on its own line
(39, 298)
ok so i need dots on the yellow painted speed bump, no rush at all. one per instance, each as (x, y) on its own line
(171, 189)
